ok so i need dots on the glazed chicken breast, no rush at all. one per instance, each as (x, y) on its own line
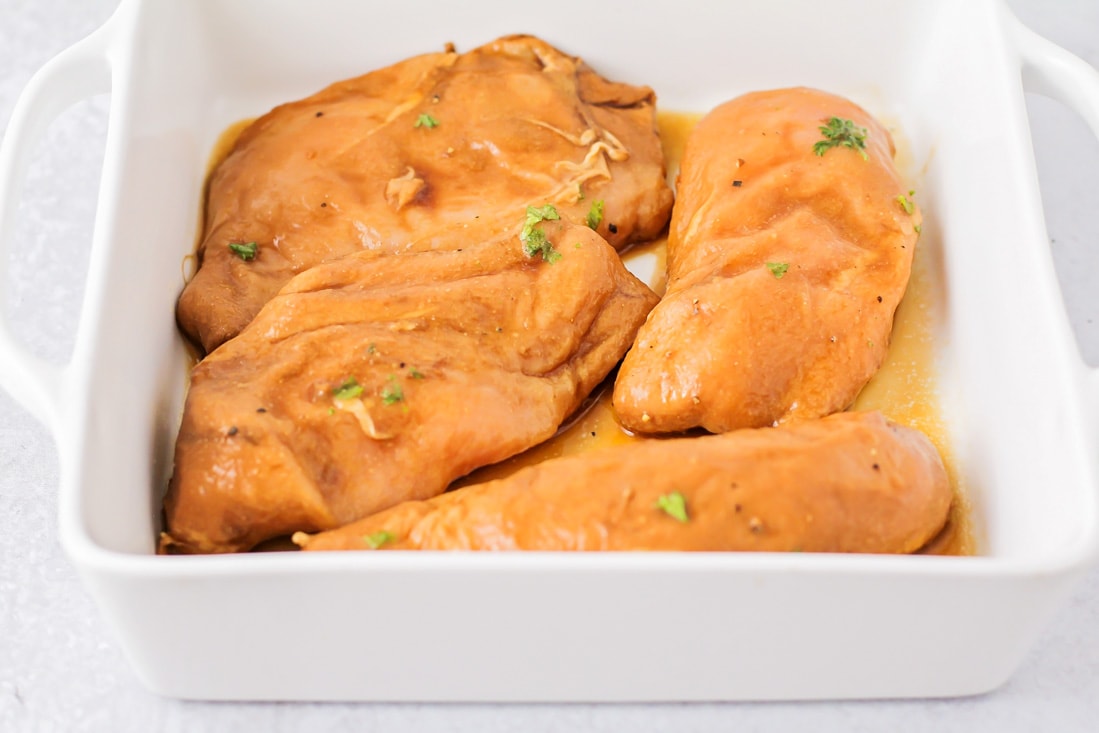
(852, 482)
(436, 149)
(379, 378)
(789, 250)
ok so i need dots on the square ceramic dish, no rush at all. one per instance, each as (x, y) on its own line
(653, 626)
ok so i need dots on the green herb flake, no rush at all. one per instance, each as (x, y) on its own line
(379, 538)
(674, 505)
(841, 133)
(579, 191)
(426, 120)
(392, 392)
(246, 251)
(778, 269)
(534, 240)
(535, 216)
(905, 203)
(349, 390)
(415, 373)
(372, 349)
(918, 228)
(595, 214)
(536, 243)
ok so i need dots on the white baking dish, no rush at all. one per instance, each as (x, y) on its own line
(399, 626)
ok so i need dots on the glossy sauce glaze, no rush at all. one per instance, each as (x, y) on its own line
(904, 389)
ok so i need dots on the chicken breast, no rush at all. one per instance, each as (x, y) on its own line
(790, 248)
(376, 379)
(401, 158)
(852, 482)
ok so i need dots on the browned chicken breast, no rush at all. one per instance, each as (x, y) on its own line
(852, 482)
(400, 158)
(375, 379)
(790, 247)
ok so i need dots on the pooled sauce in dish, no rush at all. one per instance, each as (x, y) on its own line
(904, 389)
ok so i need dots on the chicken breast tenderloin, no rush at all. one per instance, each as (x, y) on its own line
(852, 482)
(790, 248)
(405, 157)
(376, 379)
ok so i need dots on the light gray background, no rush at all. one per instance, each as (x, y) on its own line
(60, 668)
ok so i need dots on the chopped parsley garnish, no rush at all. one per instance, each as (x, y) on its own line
(841, 133)
(905, 203)
(778, 269)
(379, 538)
(415, 373)
(536, 215)
(595, 214)
(349, 390)
(918, 229)
(537, 244)
(392, 392)
(244, 250)
(534, 240)
(674, 505)
(372, 349)
(426, 120)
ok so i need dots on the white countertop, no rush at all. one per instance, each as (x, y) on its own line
(60, 668)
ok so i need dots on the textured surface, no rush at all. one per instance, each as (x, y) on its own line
(460, 359)
(781, 285)
(60, 668)
(849, 482)
(351, 168)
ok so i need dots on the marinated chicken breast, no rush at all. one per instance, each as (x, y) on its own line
(376, 379)
(852, 482)
(401, 158)
(789, 250)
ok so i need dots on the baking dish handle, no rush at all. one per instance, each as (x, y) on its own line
(81, 71)
(1053, 72)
